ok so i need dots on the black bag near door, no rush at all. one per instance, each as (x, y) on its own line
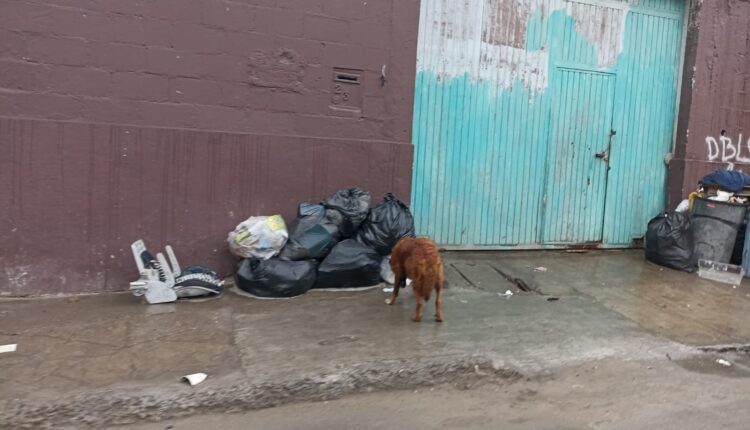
(669, 241)
(386, 224)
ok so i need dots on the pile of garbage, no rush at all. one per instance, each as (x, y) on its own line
(339, 243)
(707, 230)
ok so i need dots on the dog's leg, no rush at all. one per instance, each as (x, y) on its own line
(439, 303)
(399, 280)
(418, 314)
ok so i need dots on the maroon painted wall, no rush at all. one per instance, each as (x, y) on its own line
(173, 120)
(714, 117)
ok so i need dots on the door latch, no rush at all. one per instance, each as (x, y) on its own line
(604, 155)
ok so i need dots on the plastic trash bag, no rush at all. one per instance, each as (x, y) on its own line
(669, 241)
(350, 264)
(386, 224)
(311, 234)
(353, 205)
(275, 278)
(684, 206)
(386, 272)
(258, 237)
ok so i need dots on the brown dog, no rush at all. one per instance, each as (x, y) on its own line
(418, 260)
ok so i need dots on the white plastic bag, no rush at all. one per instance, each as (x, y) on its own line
(386, 273)
(258, 237)
(683, 206)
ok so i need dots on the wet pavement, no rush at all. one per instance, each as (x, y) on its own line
(676, 305)
(103, 352)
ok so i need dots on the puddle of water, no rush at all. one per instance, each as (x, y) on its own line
(708, 364)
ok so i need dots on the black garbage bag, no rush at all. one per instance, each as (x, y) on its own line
(386, 224)
(275, 278)
(350, 264)
(353, 205)
(311, 235)
(669, 241)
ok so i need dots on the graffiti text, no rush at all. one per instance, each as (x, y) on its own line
(725, 150)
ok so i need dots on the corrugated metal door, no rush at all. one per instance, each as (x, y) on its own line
(579, 157)
(504, 87)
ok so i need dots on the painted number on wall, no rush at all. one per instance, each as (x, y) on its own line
(338, 90)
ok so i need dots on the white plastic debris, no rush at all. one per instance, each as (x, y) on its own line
(388, 289)
(195, 378)
(540, 269)
(386, 272)
(683, 206)
(508, 294)
(723, 362)
(464, 301)
(8, 348)
(722, 196)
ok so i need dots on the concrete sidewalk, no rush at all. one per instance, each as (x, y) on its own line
(110, 359)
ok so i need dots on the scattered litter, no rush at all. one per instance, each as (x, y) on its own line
(723, 362)
(8, 348)
(388, 289)
(540, 269)
(508, 294)
(684, 206)
(552, 299)
(464, 301)
(163, 282)
(195, 378)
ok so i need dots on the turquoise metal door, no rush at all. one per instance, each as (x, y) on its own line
(503, 88)
(578, 162)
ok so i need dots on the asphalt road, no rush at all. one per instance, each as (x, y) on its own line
(696, 394)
